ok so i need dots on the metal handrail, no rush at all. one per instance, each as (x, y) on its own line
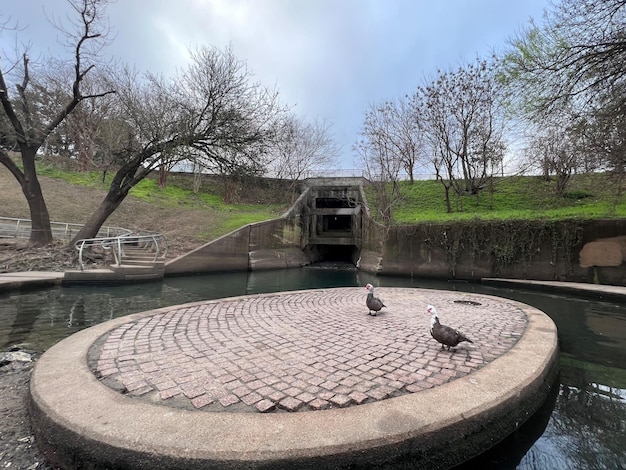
(117, 244)
(11, 227)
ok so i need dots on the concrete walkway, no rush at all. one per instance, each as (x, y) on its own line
(29, 279)
(293, 380)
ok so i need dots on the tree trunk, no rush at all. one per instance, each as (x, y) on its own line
(90, 230)
(409, 169)
(163, 171)
(41, 232)
(448, 205)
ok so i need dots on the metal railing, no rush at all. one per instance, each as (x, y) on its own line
(109, 240)
(153, 243)
(11, 227)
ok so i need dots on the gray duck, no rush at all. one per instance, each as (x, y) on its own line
(372, 302)
(447, 336)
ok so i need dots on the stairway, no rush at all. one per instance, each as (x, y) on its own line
(138, 260)
(139, 263)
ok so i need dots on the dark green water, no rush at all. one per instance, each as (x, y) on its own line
(581, 426)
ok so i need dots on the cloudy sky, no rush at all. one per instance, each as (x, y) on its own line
(329, 59)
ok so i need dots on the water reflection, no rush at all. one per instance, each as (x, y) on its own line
(520, 445)
(582, 426)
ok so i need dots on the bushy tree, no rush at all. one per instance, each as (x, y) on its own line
(571, 66)
(578, 52)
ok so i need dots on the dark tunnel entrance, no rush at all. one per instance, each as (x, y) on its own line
(334, 203)
(332, 224)
(337, 223)
(339, 254)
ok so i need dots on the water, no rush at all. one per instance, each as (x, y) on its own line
(582, 425)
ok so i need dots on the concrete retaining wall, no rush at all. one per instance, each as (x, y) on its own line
(273, 244)
(578, 251)
(586, 251)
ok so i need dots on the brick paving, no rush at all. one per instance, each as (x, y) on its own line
(302, 351)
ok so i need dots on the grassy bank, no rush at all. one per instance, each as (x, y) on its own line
(187, 218)
(190, 218)
(590, 196)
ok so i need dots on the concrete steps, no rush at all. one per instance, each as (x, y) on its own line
(137, 264)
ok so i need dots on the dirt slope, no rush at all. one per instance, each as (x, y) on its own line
(74, 204)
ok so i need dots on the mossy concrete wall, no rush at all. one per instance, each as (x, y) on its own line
(579, 251)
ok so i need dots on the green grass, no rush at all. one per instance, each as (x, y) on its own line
(92, 179)
(590, 196)
(233, 221)
(175, 194)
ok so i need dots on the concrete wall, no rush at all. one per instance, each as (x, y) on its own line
(580, 251)
(273, 244)
(590, 251)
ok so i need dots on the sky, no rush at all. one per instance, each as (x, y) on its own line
(330, 60)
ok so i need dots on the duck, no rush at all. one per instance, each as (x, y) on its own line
(374, 304)
(447, 336)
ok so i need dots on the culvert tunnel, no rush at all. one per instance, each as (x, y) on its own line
(333, 223)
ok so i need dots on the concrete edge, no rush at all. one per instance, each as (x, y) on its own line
(99, 426)
(601, 291)
(29, 280)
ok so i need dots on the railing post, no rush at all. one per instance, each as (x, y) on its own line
(80, 255)
(156, 246)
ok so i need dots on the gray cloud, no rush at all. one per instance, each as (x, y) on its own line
(331, 59)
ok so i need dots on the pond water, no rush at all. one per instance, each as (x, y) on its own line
(582, 425)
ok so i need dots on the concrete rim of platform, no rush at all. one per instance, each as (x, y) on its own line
(99, 428)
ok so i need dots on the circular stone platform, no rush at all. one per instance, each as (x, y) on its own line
(301, 379)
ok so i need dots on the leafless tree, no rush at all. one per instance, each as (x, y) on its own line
(301, 148)
(209, 111)
(408, 138)
(23, 130)
(554, 150)
(378, 154)
(77, 136)
(396, 127)
(463, 118)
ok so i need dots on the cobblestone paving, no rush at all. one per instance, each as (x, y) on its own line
(302, 351)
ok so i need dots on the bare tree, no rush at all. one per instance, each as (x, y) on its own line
(463, 118)
(407, 136)
(23, 129)
(209, 111)
(77, 136)
(396, 126)
(301, 148)
(378, 154)
(554, 151)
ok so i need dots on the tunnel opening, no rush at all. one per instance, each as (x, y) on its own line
(334, 254)
(334, 203)
(337, 223)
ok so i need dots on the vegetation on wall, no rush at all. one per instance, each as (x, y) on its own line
(507, 223)
(505, 242)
